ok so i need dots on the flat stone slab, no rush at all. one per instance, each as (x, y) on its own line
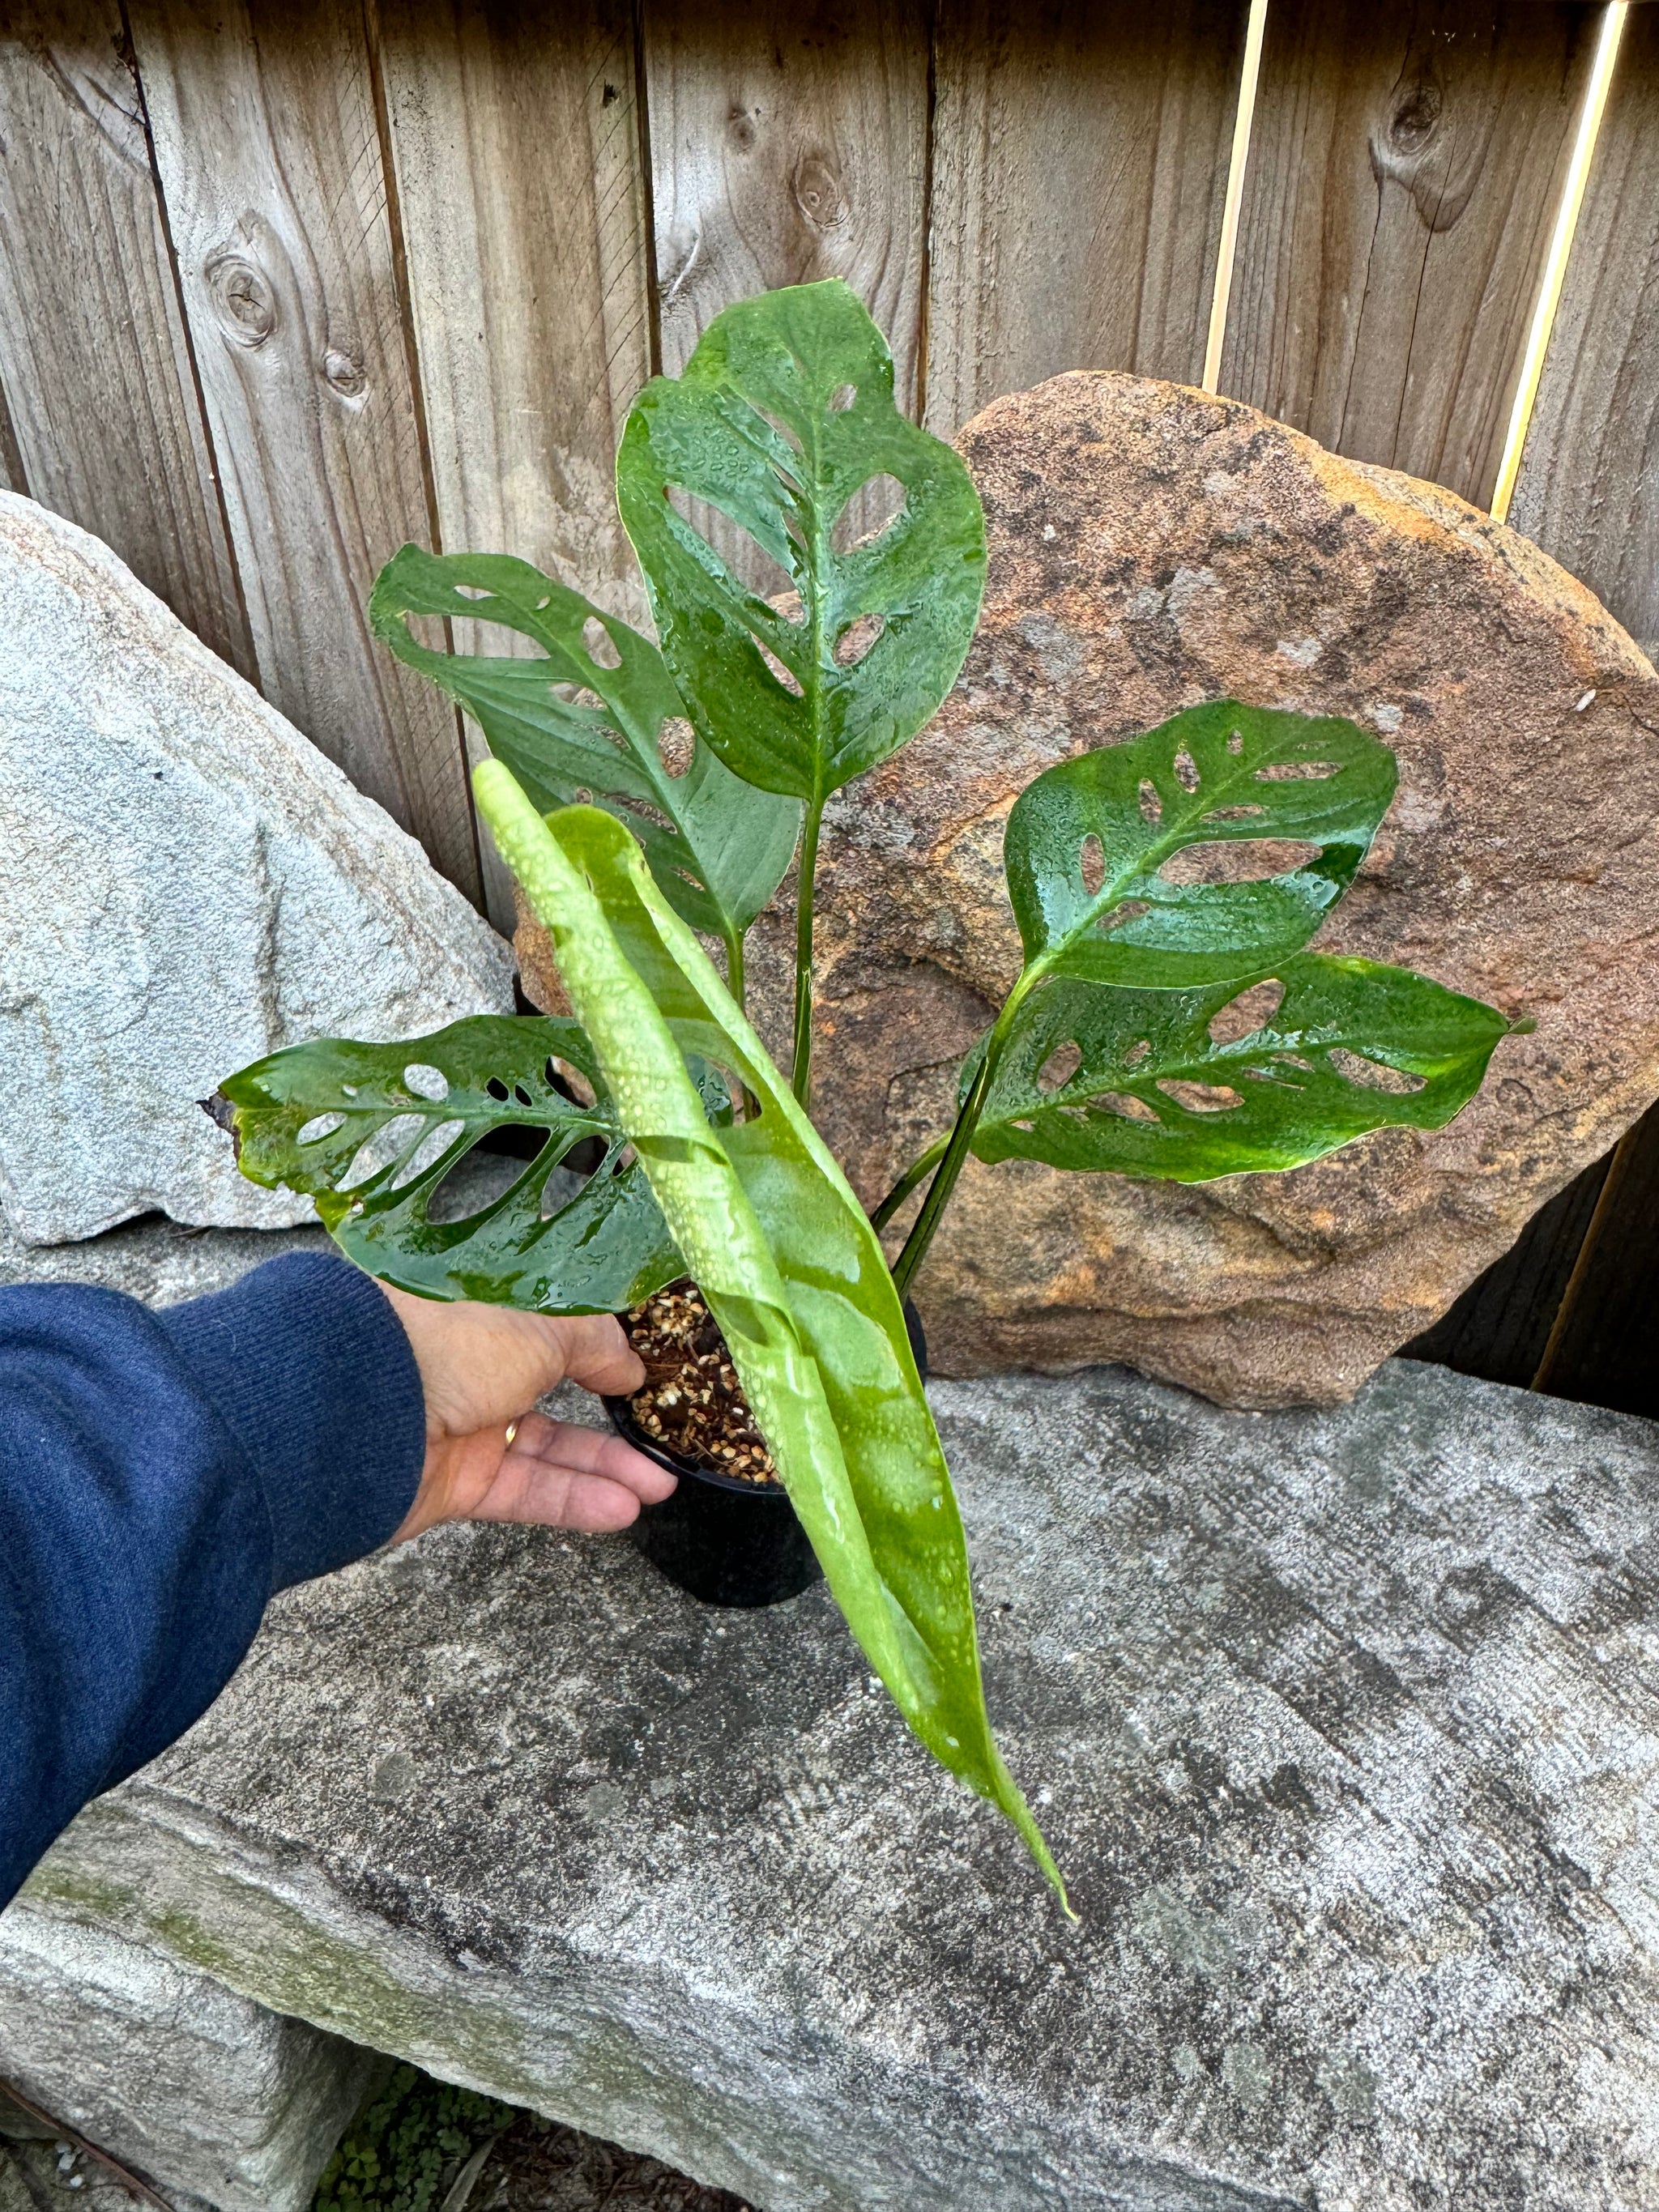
(1342, 1724)
(200, 2090)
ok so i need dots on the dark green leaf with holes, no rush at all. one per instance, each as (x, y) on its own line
(1085, 843)
(717, 847)
(1134, 1082)
(303, 1116)
(782, 416)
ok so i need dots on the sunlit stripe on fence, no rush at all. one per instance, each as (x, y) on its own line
(1555, 266)
(1236, 164)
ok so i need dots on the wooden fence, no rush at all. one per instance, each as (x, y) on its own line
(285, 282)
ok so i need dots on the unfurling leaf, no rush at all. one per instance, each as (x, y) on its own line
(718, 849)
(1136, 1082)
(781, 418)
(304, 1117)
(789, 1266)
(1087, 841)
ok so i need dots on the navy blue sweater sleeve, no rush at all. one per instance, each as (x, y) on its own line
(161, 1474)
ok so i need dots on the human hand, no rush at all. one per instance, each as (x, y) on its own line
(488, 1458)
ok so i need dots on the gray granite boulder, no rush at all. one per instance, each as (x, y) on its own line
(199, 2090)
(187, 884)
(1344, 1724)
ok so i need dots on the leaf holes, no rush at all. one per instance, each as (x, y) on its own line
(1250, 1011)
(1198, 1098)
(842, 398)
(1118, 916)
(497, 1088)
(1057, 1070)
(1152, 806)
(1372, 1075)
(318, 1127)
(1239, 860)
(426, 1081)
(522, 1095)
(1092, 864)
(676, 745)
(1124, 1105)
(872, 511)
(471, 591)
(1236, 814)
(1297, 771)
(857, 639)
(564, 1076)
(544, 602)
(600, 646)
(784, 677)
(427, 1154)
(1186, 770)
(1137, 1052)
(377, 1152)
(1235, 744)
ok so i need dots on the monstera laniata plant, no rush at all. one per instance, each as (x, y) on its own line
(1164, 1024)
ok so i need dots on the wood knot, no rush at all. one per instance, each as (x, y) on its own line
(344, 372)
(242, 297)
(742, 129)
(819, 193)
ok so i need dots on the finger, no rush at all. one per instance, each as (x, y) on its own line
(591, 1451)
(598, 1356)
(544, 1494)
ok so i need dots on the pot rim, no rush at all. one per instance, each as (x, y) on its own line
(621, 1419)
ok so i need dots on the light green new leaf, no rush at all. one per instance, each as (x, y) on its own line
(303, 1117)
(718, 849)
(1086, 843)
(789, 1266)
(779, 418)
(1134, 1082)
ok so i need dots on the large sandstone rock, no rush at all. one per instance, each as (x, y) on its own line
(185, 2082)
(186, 882)
(1341, 1722)
(1150, 547)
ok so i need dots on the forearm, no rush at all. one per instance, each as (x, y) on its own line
(160, 1476)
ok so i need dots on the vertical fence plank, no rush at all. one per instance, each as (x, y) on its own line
(788, 143)
(267, 146)
(1589, 487)
(104, 422)
(1588, 493)
(1403, 175)
(517, 149)
(1079, 170)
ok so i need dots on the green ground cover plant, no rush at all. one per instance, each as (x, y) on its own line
(1162, 1025)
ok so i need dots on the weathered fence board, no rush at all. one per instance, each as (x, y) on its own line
(268, 151)
(105, 421)
(1405, 169)
(1121, 117)
(515, 134)
(788, 143)
(1589, 487)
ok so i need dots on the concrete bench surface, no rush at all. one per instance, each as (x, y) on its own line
(1341, 1723)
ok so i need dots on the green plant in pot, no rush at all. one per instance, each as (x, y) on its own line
(1159, 1026)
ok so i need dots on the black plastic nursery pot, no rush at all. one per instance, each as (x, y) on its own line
(722, 1541)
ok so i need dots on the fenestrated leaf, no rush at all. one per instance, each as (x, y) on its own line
(1133, 1081)
(1086, 840)
(303, 1117)
(718, 848)
(780, 418)
(789, 1266)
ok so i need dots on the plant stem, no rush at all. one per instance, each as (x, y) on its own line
(801, 1067)
(919, 1170)
(961, 1138)
(736, 983)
